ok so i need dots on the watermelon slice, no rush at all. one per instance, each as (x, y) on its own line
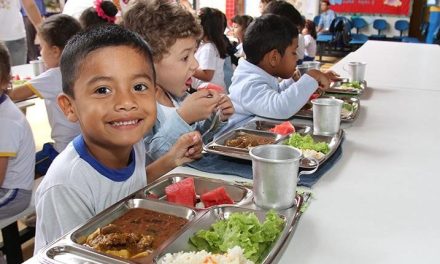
(216, 197)
(314, 96)
(284, 128)
(182, 192)
(211, 86)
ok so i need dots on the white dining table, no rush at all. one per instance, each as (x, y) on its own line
(379, 203)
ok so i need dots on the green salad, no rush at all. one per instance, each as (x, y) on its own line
(354, 84)
(347, 106)
(240, 229)
(307, 142)
(18, 82)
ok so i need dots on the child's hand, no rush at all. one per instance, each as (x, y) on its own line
(187, 148)
(322, 79)
(226, 106)
(199, 106)
(333, 76)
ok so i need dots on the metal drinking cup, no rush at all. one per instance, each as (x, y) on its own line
(275, 171)
(326, 116)
(356, 70)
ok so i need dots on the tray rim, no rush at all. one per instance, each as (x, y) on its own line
(353, 91)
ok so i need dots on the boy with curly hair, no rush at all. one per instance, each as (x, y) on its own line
(173, 34)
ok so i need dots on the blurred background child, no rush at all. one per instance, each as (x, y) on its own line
(309, 33)
(239, 25)
(173, 33)
(102, 12)
(211, 52)
(54, 33)
(17, 149)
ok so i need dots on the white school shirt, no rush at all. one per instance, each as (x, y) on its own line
(310, 44)
(209, 59)
(17, 144)
(301, 47)
(11, 21)
(48, 86)
(78, 187)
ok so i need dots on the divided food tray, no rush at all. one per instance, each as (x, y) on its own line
(338, 87)
(71, 249)
(261, 128)
(350, 108)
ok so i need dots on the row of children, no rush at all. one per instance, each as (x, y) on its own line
(130, 98)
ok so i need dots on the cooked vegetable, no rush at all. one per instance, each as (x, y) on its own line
(240, 229)
(307, 142)
(354, 84)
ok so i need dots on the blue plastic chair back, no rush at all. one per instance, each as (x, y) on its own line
(316, 20)
(402, 26)
(359, 23)
(379, 25)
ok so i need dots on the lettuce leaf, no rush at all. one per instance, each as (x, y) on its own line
(241, 229)
(307, 142)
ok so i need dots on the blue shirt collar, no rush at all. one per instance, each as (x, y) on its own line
(117, 175)
(3, 98)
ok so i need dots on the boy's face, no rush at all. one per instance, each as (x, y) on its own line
(238, 31)
(114, 99)
(287, 65)
(175, 69)
(50, 54)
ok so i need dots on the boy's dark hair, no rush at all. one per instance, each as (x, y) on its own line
(90, 17)
(82, 44)
(287, 10)
(266, 33)
(56, 30)
(326, 2)
(213, 23)
(161, 24)
(243, 20)
(5, 64)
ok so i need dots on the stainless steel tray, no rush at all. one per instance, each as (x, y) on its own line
(238, 193)
(350, 102)
(216, 148)
(69, 249)
(337, 87)
(290, 217)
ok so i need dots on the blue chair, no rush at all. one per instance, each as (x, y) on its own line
(379, 25)
(358, 23)
(316, 20)
(401, 26)
(437, 36)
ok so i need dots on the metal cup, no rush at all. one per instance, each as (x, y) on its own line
(326, 116)
(356, 70)
(37, 67)
(275, 173)
(308, 65)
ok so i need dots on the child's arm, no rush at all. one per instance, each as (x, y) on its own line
(32, 11)
(187, 148)
(3, 168)
(322, 78)
(227, 108)
(204, 75)
(21, 92)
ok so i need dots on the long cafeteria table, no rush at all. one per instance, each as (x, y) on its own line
(379, 203)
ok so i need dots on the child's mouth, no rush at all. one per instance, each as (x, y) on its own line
(188, 82)
(125, 123)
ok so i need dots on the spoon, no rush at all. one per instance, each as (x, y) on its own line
(208, 134)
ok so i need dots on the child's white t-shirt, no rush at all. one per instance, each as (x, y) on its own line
(48, 86)
(209, 59)
(16, 143)
(301, 47)
(310, 44)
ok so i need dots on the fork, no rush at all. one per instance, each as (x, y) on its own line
(215, 123)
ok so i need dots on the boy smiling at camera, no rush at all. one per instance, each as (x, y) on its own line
(109, 88)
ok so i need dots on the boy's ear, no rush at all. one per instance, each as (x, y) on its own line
(274, 57)
(56, 51)
(66, 104)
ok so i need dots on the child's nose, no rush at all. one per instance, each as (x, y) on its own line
(126, 102)
(194, 64)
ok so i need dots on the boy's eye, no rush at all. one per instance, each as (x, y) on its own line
(140, 87)
(102, 90)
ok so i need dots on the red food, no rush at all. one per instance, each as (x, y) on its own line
(152, 196)
(314, 96)
(284, 128)
(211, 86)
(182, 192)
(16, 77)
(216, 197)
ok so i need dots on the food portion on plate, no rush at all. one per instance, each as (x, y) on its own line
(285, 128)
(241, 229)
(309, 147)
(246, 140)
(346, 87)
(234, 255)
(135, 234)
(183, 192)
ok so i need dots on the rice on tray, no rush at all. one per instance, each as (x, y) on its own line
(234, 256)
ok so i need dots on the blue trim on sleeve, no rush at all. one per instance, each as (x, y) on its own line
(117, 175)
(2, 98)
